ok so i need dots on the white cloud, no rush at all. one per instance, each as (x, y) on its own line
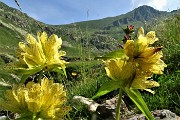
(163, 5)
(159, 4)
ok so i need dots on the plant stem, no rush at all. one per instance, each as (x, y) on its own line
(69, 118)
(34, 116)
(119, 104)
(40, 75)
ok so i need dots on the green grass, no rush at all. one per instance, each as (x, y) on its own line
(91, 73)
(90, 76)
(167, 95)
(8, 40)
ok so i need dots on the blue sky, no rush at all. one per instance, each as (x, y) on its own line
(69, 11)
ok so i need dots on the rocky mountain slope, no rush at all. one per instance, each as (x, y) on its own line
(95, 35)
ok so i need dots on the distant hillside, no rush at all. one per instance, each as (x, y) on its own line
(112, 26)
(14, 25)
(140, 14)
(94, 36)
(17, 19)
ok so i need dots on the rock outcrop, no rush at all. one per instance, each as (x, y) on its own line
(107, 110)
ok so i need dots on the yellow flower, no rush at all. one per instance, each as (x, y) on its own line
(43, 52)
(140, 81)
(148, 59)
(143, 62)
(119, 70)
(74, 74)
(45, 100)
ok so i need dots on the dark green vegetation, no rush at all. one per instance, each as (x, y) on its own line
(84, 40)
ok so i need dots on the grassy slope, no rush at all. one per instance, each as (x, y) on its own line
(8, 40)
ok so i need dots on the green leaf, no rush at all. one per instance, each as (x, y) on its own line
(136, 97)
(64, 70)
(26, 115)
(60, 70)
(106, 88)
(115, 54)
(24, 77)
(28, 71)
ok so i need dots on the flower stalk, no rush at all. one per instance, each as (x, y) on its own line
(40, 75)
(34, 116)
(119, 104)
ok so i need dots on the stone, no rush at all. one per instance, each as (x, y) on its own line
(107, 110)
(158, 115)
(3, 117)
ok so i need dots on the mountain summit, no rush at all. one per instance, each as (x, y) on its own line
(146, 13)
(141, 14)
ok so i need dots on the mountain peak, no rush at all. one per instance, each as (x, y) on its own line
(146, 13)
(145, 7)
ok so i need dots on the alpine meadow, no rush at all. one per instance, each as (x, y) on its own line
(72, 71)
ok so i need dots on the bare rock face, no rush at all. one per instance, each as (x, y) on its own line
(107, 111)
(165, 115)
(158, 115)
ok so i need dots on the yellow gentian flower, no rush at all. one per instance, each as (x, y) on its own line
(143, 62)
(45, 100)
(119, 70)
(131, 68)
(148, 59)
(43, 52)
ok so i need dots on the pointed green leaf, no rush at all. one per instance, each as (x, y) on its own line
(28, 71)
(64, 70)
(60, 70)
(136, 97)
(24, 77)
(115, 54)
(106, 88)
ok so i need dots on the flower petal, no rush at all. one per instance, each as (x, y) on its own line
(140, 32)
(129, 48)
(151, 37)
